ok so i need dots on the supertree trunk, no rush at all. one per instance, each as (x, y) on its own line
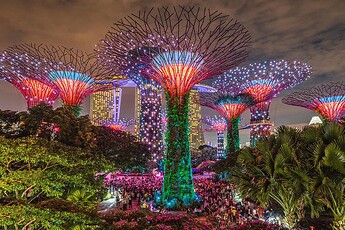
(178, 185)
(232, 136)
(260, 122)
(150, 124)
(220, 145)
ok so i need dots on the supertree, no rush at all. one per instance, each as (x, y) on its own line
(230, 105)
(119, 125)
(194, 44)
(219, 125)
(264, 81)
(150, 96)
(34, 91)
(325, 99)
(69, 70)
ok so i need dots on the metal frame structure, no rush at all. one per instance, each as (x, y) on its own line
(264, 81)
(219, 125)
(72, 72)
(325, 99)
(193, 44)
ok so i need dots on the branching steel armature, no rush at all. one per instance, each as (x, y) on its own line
(34, 91)
(71, 71)
(326, 99)
(264, 81)
(193, 44)
(230, 105)
(219, 125)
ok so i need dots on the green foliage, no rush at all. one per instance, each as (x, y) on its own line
(297, 169)
(178, 185)
(34, 171)
(119, 147)
(9, 123)
(62, 216)
(64, 126)
(232, 136)
(204, 153)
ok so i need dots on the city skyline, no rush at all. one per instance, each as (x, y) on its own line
(307, 31)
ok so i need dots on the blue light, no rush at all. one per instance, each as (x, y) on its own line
(53, 76)
(177, 57)
(232, 100)
(332, 99)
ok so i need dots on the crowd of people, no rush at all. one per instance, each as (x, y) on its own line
(218, 198)
(128, 189)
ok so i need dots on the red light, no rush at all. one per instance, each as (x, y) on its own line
(232, 110)
(331, 110)
(72, 91)
(259, 92)
(178, 78)
(36, 92)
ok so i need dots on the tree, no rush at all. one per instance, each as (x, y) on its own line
(274, 171)
(120, 148)
(203, 153)
(327, 146)
(9, 123)
(38, 175)
(297, 169)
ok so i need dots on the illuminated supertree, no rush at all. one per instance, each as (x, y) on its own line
(264, 81)
(34, 91)
(195, 44)
(119, 125)
(219, 125)
(326, 99)
(150, 93)
(230, 105)
(70, 71)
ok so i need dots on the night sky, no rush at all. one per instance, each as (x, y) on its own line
(311, 31)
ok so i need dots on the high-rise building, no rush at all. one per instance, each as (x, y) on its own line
(106, 105)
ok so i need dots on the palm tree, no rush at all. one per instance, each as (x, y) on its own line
(276, 171)
(327, 146)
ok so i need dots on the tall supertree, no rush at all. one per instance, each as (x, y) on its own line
(69, 70)
(195, 44)
(230, 105)
(264, 81)
(219, 125)
(34, 91)
(325, 99)
(150, 93)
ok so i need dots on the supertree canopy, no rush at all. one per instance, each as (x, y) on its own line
(326, 99)
(264, 81)
(194, 44)
(230, 105)
(34, 91)
(71, 71)
(219, 125)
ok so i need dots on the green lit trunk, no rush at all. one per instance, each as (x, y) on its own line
(232, 136)
(178, 186)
